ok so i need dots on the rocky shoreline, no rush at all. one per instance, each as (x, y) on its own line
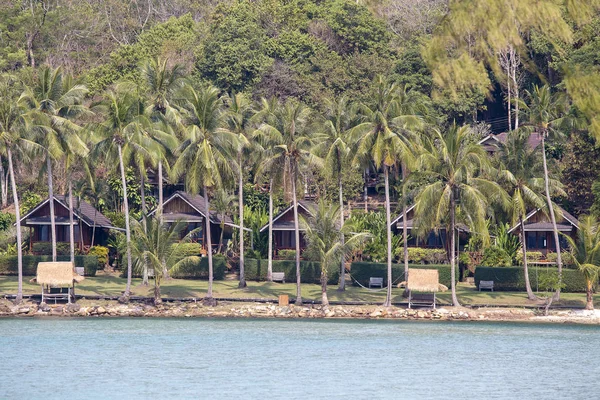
(87, 308)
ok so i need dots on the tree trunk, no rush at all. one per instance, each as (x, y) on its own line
(51, 205)
(19, 236)
(71, 228)
(365, 194)
(270, 255)
(556, 295)
(160, 191)
(388, 296)
(589, 304)
(530, 294)
(222, 226)
(516, 96)
(324, 299)
(342, 285)
(242, 283)
(157, 297)
(3, 184)
(404, 228)
(30, 56)
(143, 199)
(93, 227)
(297, 237)
(508, 102)
(209, 292)
(127, 227)
(455, 302)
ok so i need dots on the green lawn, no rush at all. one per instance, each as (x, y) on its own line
(112, 285)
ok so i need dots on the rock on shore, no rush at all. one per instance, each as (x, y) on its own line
(86, 308)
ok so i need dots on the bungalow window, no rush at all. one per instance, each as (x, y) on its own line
(197, 236)
(67, 233)
(44, 233)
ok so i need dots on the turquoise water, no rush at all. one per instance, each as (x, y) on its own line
(294, 359)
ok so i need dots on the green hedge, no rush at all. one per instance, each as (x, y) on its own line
(199, 270)
(8, 264)
(362, 271)
(513, 278)
(45, 248)
(310, 271)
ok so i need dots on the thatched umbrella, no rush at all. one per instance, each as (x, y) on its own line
(423, 280)
(57, 275)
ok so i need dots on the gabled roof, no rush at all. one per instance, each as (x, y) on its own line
(307, 206)
(399, 217)
(533, 141)
(547, 226)
(197, 203)
(83, 211)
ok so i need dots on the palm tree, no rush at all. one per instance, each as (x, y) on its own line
(238, 121)
(377, 141)
(159, 246)
(54, 102)
(454, 165)
(203, 154)
(12, 138)
(586, 252)
(521, 172)
(324, 244)
(222, 203)
(123, 120)
(291, 141)
(546, 112)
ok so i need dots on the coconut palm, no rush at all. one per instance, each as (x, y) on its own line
(121, 132)
(322, 232)
(54, 101)
(159, 246)
(13, 139)
(586, 253)
(203, 154)
(376, 140)
(454, 166)
(521, 171)
(291, 140)
(546, 113)
(238, 122)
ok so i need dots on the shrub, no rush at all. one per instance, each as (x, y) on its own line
(101, 253)
(287, 254)
(45, 249)
(567, 259)
(496, 257)
(198, 269)
(362, 271)
(531, 256)
(419, 255)
(8, 264)
(310, 271)
(513, 278)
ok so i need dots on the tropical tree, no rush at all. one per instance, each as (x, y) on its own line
(291, 141)
(546, 113)
(53, 102)
(521, 170)
(376, 140)
(159, 246)
(238, 119)
(222, 203)
(203, 154)
(586, 252)
(13, 139)
(120, 132)
(454, 167)
(322, 232)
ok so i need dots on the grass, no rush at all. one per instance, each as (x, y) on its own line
(113, 285)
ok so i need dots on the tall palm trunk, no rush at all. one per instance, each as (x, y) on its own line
(71, 227)
(556, 295)
(530, 294)
(3, 184)
(127, 228)
(365, 194)
(209, 292)
(297, 237)
(160, 191)
(51, 205)
(589, 295)
(342, 285)
(455, 302)
(143, 199)
(93, 228)
(388, 230)
(324, 299)
(242, 283)
(19, 236)
(404, 227)
(270, 255)
(222, 226)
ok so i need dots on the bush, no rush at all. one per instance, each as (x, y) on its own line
(513, 278)
(496, 257)
(310, 271)
(45, 249)
(362, 271)
(419, 255)
(531, 256)
(8, 264)
(101, 253)
(198, 269)
(287, 254)
(567, 259)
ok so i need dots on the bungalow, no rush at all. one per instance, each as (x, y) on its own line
(88, 223)
(191, 209)
(539, 232)
(493, 143)
(283, 226)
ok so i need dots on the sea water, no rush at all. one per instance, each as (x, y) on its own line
(295, 359)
